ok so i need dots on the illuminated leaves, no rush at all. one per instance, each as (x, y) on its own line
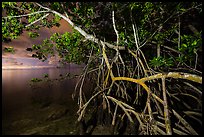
(68, 46)
(8, 4)
(36, 80)
(189, 44)
(11, 28)
(9, 49)
(160, 61)
(96, 18)
(33, 34)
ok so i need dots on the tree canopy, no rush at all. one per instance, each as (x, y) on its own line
(132, 51)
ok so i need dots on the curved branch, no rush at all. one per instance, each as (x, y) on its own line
(176, 75)
(87, 36)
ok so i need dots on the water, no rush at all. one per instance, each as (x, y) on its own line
(21, 103)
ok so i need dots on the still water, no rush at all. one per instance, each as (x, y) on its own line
(27, 109)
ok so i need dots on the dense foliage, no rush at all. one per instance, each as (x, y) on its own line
(181, 28)
(157, 38)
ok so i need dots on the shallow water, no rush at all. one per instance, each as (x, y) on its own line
(22, 104)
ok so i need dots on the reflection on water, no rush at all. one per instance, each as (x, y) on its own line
(16, 91)
(17, 94)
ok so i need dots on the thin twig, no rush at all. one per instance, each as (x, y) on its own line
(114, 26)
(179, 34)
(114, 115)
(186, 124)
(38, 20)
(120, 105)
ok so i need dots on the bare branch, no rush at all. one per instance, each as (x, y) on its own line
(179, 34)
(176, 75)
(113, 19)
(186, 124)
(38, 20)
(166, 111)
(114, 115)
(87, 36)
(136, 40)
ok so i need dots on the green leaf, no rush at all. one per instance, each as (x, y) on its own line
(36, 80)
(194, 43)
(184, 45)
(33, 34)
(9, 49)
(46, 75)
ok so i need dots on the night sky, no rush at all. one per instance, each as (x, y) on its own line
(22, 58)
